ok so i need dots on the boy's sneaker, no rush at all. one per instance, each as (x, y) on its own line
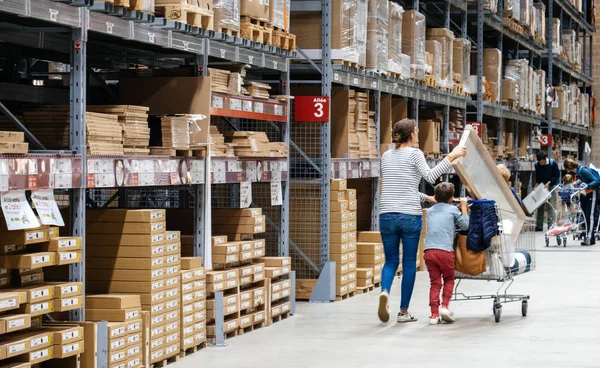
(406, 318)
(447, 315)
(435, 320)
(384, 309)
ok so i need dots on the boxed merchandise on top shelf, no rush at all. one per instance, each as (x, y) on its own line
(413, 42)
(227, 16)
(134, 123)
(461, 60)
(492, 71)
(348, 32)
(539, 20)
(197, 13)
(571, 106)
(394, 65)
(377, 36)
(446, 39)
(433, 63)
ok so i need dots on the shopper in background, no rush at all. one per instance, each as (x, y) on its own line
(548, 174)
(589, 203)
(400, 211)
(505, 172)
(443, 219)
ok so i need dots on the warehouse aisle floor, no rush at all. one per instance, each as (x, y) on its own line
(561, 329)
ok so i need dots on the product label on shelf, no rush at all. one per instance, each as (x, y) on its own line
(259, 107)
(132, 315)
(235, 104)
(133, 339)
(278, 110)
(16, 348)
(217, 102)
(40, 307)
(17, 211)
(247, 106)
(46, 207)
(276, 194)
(245, 194)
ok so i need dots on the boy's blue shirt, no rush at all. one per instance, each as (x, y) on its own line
(442, 221)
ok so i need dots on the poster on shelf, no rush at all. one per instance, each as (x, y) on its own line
(245, 194)
(17, 211)
(276, 193)
(46, 207)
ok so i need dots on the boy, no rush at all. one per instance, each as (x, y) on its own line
(442, 221)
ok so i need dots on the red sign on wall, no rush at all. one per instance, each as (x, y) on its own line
(311, 109)
(546, 140)
(477, 127)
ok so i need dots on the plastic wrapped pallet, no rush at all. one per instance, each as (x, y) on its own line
(227, 14)
(568, 44)
(585, 115)
(395, 12)
(525, 13)
(405, 69)
(540, 21)
(446, 38)
(556, 36)
(354, 31)
(434, 48)
(461, 59)
(377, 36)
(492, 71)
(512, 9)
(413, 42)
(517, 71)
(278, 13)
(559, 104)
(256, 9)
(540, 92)
(531, 89)
(147, 6)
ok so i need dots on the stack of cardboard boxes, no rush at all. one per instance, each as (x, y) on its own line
(125, 326)
(413, 42)
(342, 236)
(129, 251)
(253, 295)
(370, 256)
(238, 224)
(446, 39)
(193, 304)
(226, 281)
(279, 289)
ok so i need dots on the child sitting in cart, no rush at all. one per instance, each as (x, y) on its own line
(442, 221)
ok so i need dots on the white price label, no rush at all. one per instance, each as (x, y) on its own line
(275, 64)
(235, 104)
(217, 102)
(259, 107)
(186, 45)
(109, 27)
(53, 14)
(223, 53)
(151, 37)
(355, 80)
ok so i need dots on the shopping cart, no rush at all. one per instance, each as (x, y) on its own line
(511, 253)
(569, 217)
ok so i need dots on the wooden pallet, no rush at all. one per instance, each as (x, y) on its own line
(430, 81)
(283, 40)
(364, 290)
(228, 31)
(510, 104)
(256, 326)
(418, 81)
(458, 89)
(349, 64)
(514, 26)
(377, 285)
(191, 15)
(344, 297)
(256, 33)
(228, 335)
(255, 21)
(280, 317)
(394, 75)
(192, 350)
(165, 362)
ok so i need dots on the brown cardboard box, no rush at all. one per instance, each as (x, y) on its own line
(69, 349)
(25, 237)
(509, 91)
(369, 237)
(90, 333)
(367, 260)
(222, 239)
(62, 244)
(66, 289)
(338, 217)
(134, 350)
(65, 334)
(116, 330)
(32, 260)
(68, 303)
(64, 258)
(172, 248)
(257, 9)
(131, 240)
(369, 248)
(134, 338)
(189, 263)
(126, 215)
(192, 275)
(343, 258)
(461, 57)
(38, 356)
(112, 301)
(16, 345)
(492, 71)
(364, 273)
(339, 248)
(113, 315)
(227, 248)
(11, 248)
(98, 227)
(413, 42)
(125, 251)
(134, 326)
(276, 261)
(226, 258)
(14, 322)
(117, 356)
(117, 343)
(126, 286)
(36, 293)
(446, 39)
(126, 263)
(127, 275)
(339, 184)
(9, 301)
(429, 136)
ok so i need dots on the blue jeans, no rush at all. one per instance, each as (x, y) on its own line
(395, 227)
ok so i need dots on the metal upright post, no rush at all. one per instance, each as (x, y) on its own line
(445, 136)
(324, 290)
(479, 60)
(284, 226)
(550, 74)
(219, 320)
(516, 151)
(78, 145)
(375, 182)
(447, 15)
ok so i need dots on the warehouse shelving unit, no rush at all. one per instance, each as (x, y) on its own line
(312, 163)
(95, 35)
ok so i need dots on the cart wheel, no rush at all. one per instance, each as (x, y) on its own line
(497, 312)
(558, 241)
(547, 241)
(524, 306)
(565, 242)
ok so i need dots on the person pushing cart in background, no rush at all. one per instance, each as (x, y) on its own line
(547, 173)
(591, 179)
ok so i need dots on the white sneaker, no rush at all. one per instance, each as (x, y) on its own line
(435, 321)
(447, 315)
(384, 309)
(406, 318)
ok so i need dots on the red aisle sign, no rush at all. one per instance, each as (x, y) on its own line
(546, 140)
(476, 127)
(311, 109)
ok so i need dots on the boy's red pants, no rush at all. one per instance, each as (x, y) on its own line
(440, 264)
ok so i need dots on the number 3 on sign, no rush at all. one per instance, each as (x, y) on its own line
(546, 140)
(311, 109)
(319, 107)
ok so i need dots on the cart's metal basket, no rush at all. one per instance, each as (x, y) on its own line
(512, 252)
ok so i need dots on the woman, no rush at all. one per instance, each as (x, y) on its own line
(400, 211)
(589, 203)
(505, 172)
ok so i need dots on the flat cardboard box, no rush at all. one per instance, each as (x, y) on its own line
(221, 239)
(64, 243)
(127, 275)
(69, 349)
(25, 237)
(339, 217)
(37, 356)
(112, 315)
(131, 240)
(125, 215)
(66, 334)
(14, 364)
(134, 350)
(11, 248)
(364, 273)
(90, 333)
(36, 293)
(172, 248)
(126, 227)
(342, 238)
(369, 248)
(14, 322)
(276, 261)
(369, 259)
(339, 206)
(116, 330)
(103, 264)
(345, 267)
(12, 346)
(339, 184)
(125, 251)
(224, 249)
(156, 355)
(134, 338)
(429, 136)
(226, 258)
(343, 258)
(339, 248)
(134, 326)
(125, 286)
(341, 227)
(68, 303)
(64, 258)
(117, 343)
(9, 301)
(369, 237)
(32, 260)
(509, 90)
(243, 212)
(188, 263)
(30, 279)
(192, 275)
(112, 301)
(117, 356)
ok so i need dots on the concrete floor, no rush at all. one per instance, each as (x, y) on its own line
(562, 328)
